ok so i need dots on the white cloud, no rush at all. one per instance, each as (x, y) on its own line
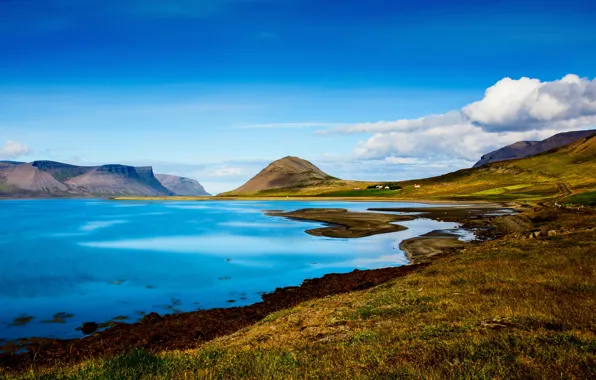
(404, 125)
(227, 172)
(527, 104)
(462, 141)
(13, 149)
(510, 111)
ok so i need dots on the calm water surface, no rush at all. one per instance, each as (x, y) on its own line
(65, 262)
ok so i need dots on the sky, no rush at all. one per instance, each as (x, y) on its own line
(216, 89)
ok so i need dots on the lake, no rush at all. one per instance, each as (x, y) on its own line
(65, 262)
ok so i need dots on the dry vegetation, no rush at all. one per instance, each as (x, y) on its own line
(514, 307)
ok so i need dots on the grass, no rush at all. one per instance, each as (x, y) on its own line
(505, 309)
(502, 190)
(588, 198)
(361, 193)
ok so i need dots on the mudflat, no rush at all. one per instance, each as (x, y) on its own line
(347, 224)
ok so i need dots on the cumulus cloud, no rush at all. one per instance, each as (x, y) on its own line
(527, 104)
(462, 141)
(13, 149)
(510, 111)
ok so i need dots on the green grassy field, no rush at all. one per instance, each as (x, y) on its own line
(588, 198)
(361, 193)
(505, 309)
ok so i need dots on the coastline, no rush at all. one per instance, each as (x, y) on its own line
(316, 198)
(187, 330)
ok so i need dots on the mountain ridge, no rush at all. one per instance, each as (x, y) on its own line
(182, 186)
(522, 149)
(56, 179)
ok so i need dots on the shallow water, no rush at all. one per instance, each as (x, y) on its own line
(65, 262)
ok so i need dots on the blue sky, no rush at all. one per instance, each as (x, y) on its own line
(215, 89)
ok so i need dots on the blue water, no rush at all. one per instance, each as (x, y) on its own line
(97, 260)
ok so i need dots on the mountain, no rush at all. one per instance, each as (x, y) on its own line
(559, 171)
(11, 162)
(50, 178)
(287, 173)
(118, 180)
(23, 178)
(181, 185)
(523, 149)
(60, 171)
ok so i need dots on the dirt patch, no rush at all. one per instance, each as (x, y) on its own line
(422, 249)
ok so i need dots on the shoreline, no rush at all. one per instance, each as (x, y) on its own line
(190, 329)
(305, 198)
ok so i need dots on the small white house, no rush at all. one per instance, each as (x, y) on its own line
(386, 187)
(379, 187)
(357, 188)
(417, 186)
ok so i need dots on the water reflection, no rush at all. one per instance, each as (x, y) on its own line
(100, 260)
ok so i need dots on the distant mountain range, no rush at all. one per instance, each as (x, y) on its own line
(523, 149)
(181, 185)
(289, 175)
(288, 172)
(50, 178)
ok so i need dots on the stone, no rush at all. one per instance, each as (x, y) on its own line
(552, 233)
(151, 318)
(89, 328)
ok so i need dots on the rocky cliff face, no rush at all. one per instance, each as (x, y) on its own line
(523, 149)
(181, 185)
(25, 178)
(61, 171)
(147, 176)
(118, 180)
(288, 172)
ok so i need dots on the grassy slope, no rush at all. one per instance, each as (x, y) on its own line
(532, 178)
(535, 177)
(588, 198)
(509, 308)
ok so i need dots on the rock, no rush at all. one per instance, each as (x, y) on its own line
(552, 233)
(151, 318)
(89, 328)
(531, 236)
